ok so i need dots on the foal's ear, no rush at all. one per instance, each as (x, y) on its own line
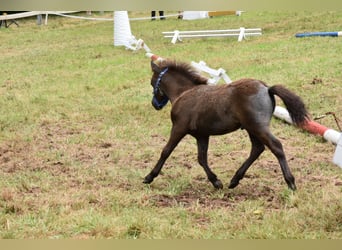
(155, 67)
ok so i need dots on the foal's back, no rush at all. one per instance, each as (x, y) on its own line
(252, 103)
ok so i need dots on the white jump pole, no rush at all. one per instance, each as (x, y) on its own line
(215, 75)
(201, 66)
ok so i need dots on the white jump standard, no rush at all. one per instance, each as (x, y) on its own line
(123, 35)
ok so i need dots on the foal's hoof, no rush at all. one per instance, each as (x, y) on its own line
(218, 184)
(148, 179)
(292, 186)
(233, 184)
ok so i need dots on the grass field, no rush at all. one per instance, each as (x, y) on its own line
(78, 133)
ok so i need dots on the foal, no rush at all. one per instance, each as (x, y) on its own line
(202, 110)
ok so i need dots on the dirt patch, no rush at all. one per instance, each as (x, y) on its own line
(210, 198)
(190, 199)
(61, 150)
(17, 155)
(57, 150)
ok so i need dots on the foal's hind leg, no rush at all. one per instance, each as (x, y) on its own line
(268, 139)
(277, 149)
(257, 148)
(176, 136)
(202, 146)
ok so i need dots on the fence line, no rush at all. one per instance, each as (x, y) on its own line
(31, 13)
(64, 14)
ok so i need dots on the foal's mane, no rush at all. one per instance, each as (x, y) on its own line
(186, 70)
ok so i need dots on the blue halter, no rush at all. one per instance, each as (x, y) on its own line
(159, 104)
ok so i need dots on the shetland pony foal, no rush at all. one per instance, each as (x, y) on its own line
(202, 110)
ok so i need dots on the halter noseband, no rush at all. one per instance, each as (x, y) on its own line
(159, 104)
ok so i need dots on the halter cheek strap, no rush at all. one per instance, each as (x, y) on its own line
(159, 104)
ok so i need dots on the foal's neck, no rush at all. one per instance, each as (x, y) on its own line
(177, 87)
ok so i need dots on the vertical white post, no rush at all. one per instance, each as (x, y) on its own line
(122, 29)
(338, 153)
(242, 34)
(175, 37)
(46, 18)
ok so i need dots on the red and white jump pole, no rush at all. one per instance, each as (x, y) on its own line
(313, 127)
(154, 57)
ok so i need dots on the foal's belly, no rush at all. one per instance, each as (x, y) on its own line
(213, 123)
(217, 129)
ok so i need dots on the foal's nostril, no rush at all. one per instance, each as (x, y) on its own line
(155, 104)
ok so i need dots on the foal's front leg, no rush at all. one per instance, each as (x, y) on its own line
(257, 148)
(176, 136)
(202, 146)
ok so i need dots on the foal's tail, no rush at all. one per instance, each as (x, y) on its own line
(293, 103)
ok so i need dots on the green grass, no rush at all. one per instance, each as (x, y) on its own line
(78, 134)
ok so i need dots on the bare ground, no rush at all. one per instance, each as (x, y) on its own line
(57, 151)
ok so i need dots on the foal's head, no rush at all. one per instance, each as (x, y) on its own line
(180, 75)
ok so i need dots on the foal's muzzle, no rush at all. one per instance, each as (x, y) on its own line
(158, 105)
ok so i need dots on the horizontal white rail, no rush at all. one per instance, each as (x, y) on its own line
(212, 31)
(214, 35)
(31, 13)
